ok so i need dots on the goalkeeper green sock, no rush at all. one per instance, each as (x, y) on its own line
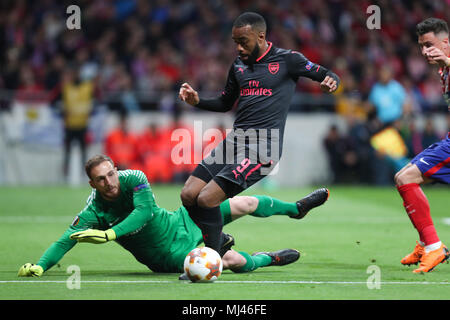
(253, 262)
(268, 206)
(225, 210)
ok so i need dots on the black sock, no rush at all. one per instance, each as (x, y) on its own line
(209, 220)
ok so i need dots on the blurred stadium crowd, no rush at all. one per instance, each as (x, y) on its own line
(132, 55)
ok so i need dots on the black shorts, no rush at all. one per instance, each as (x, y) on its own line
(236, 170)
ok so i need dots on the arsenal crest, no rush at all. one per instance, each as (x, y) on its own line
(274, 67)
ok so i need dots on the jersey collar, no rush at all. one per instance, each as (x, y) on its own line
(267, 51)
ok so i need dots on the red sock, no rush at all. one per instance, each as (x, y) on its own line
(418, 209)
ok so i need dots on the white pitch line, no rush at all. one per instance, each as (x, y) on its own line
(67, 219)
(236, 281)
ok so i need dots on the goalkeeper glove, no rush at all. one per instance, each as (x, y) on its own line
(94, 236)
(30, 270)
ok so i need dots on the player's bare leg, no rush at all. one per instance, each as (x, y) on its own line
(211, 195)
(242, 205)
(409, 174)
(191, 190)
(232, 259)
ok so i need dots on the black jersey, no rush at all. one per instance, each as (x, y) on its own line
(265, 88)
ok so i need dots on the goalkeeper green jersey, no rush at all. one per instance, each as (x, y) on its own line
(156, 237)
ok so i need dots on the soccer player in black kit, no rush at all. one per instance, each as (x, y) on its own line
(263, 79)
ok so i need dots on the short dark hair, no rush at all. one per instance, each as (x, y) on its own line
(434, 25)
(95, 161)
(253, 19)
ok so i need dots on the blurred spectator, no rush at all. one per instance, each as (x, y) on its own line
(387, 96)
(154, 150)
(390, 151)
(412, 137)
(359, 133)
(414, 100)
(29, 90)
(448, 124)
(429, 135)
(342, 156)
(158, 42)
(125, 94)
(137, 53)
(184, 149)
(121, 145)
(349, 101)
(53, 77)
(78, 100)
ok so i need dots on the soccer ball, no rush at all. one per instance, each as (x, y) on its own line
(203, 265)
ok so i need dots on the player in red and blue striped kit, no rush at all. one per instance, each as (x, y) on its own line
(433, 163)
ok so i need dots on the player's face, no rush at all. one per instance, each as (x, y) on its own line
(429, 40)
(247, 43)
(105, 179)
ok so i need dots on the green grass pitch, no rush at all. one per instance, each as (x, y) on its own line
(357, 228)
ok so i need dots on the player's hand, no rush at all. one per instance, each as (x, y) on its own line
(94, 236)
(328, 84)
(438, 56)
(189, 95)
(30, 270)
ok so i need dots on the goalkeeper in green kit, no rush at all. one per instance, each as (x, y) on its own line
(122, 208)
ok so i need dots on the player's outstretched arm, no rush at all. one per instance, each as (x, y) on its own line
(85, 220)
(50, 257)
